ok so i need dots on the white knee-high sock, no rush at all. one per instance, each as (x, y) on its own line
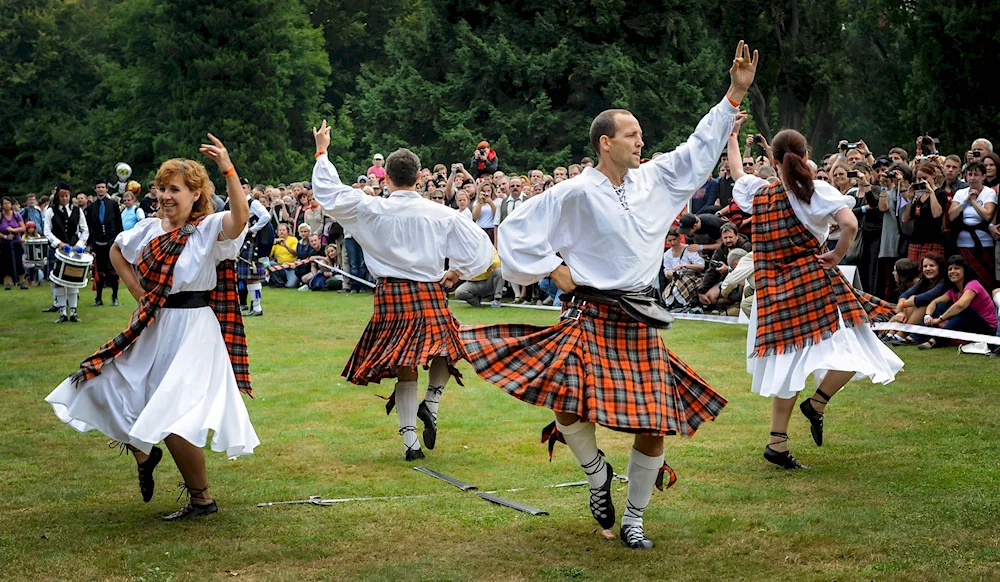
(55, 294)
(437, 379)
(642, 471)
(254, 291)
(72, 295)
(60, 296)
(406, 408)
(581, 437)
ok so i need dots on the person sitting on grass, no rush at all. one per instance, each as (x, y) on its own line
(304, 271)
(321, 278)
(283, 251)
(710, 292)
(917, 292)
(966, 306)
(682, 269)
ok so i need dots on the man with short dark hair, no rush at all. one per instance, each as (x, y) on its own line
(588, 162)
(573, 171)
(898, 156)
(716, 269)
(600, 238)
(32, 213)
(407, 241)
(705, 230)
(150, 204)
(104, 219)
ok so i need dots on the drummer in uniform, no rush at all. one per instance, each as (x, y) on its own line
(64, 224)
(249, 268)
(104, 220)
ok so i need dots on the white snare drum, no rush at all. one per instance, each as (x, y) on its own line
(71, 268)
(36, 251)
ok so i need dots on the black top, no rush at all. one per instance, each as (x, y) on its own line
(108, 230)
(725, 191)
(64, 226)
(711, 226)
(927, 228)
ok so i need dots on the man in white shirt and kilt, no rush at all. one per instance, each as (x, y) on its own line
(249, 269)
(407, 242)
(600, 238)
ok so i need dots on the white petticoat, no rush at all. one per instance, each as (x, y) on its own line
(175, 379)
(850, 349)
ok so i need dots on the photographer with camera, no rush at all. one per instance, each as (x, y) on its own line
(894, 179)
(484, 160)
(971, 212)
(866, 210)
(926, 146)
(459, 175)
(710, 292)
(855, 152)
(484, 209)
(926, 209)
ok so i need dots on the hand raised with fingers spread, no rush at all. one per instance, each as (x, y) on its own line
(322, 137)
(217, 152)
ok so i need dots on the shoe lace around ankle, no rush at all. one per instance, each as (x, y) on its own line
(436, 391)
(189, 492)
(633, 534)
(122, 447)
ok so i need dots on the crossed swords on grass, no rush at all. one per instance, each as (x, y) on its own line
(461, 485)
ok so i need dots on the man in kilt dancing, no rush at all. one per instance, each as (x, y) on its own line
(407, 241)
(249, 269)
(600, 236)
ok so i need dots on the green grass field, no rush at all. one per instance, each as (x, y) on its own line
(906, 487)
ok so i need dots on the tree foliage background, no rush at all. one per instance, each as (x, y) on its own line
(87, 83)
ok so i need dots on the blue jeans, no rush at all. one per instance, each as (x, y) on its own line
(968, 321)
(549, 287)
(356, 260)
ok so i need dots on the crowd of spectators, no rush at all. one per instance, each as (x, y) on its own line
(928, 229)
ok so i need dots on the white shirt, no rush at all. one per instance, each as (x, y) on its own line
(817, 216)
(263, 216)
(742, 272)
(467, 213)
(195, 268)
(403, 236)
(485, 215)
(82, 230)
(510, 202)
(670, 262)
(604, 245)
(970, 216)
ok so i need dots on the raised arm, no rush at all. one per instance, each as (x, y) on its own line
(339, 199)
(235, 220)
(682, 171)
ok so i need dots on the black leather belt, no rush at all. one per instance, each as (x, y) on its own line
(645, 306)
(188, 300)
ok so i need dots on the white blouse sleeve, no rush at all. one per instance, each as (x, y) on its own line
(211, 238)
(341, 200)
(132, 241)
(681, 172)
(524, 239)
(693, 258)
(826, 202)
(470, 251)
(744, 189)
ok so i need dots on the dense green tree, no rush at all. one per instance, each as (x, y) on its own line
(253, 72)
(529, 77)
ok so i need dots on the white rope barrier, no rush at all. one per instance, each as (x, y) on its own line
(938, 332)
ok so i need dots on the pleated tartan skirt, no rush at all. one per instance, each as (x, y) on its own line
(604, 367)
(411, 325)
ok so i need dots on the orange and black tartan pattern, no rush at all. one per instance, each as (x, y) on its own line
(411, 325)
(156, 274)
(799, 302)
(604, 367)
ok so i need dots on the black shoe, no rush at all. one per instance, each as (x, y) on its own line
(73, 318)
(785, 459)
(244, 308)
(114, 302)
(601, 505)
(633, 537)
(414, 454)
(97, 303)
(815, 421)
(51, 309)
(146, 484)
(62, 319)
(256, 313)
(192, 510)
(430, 426)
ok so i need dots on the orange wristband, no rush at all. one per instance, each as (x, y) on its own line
(229, 172)
(320, 153)
(733, 103)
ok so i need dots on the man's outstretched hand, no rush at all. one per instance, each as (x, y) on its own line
(742, 73)
(322, 137)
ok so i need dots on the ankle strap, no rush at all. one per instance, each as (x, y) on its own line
(780, 435)
(826, 397)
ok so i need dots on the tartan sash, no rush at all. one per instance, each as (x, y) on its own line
(156, 275)
(799, 302)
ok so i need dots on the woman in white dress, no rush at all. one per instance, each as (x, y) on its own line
(177, 370)
(807, 319)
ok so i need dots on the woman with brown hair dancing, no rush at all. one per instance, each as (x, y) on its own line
(177, 370)
(807, 319)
